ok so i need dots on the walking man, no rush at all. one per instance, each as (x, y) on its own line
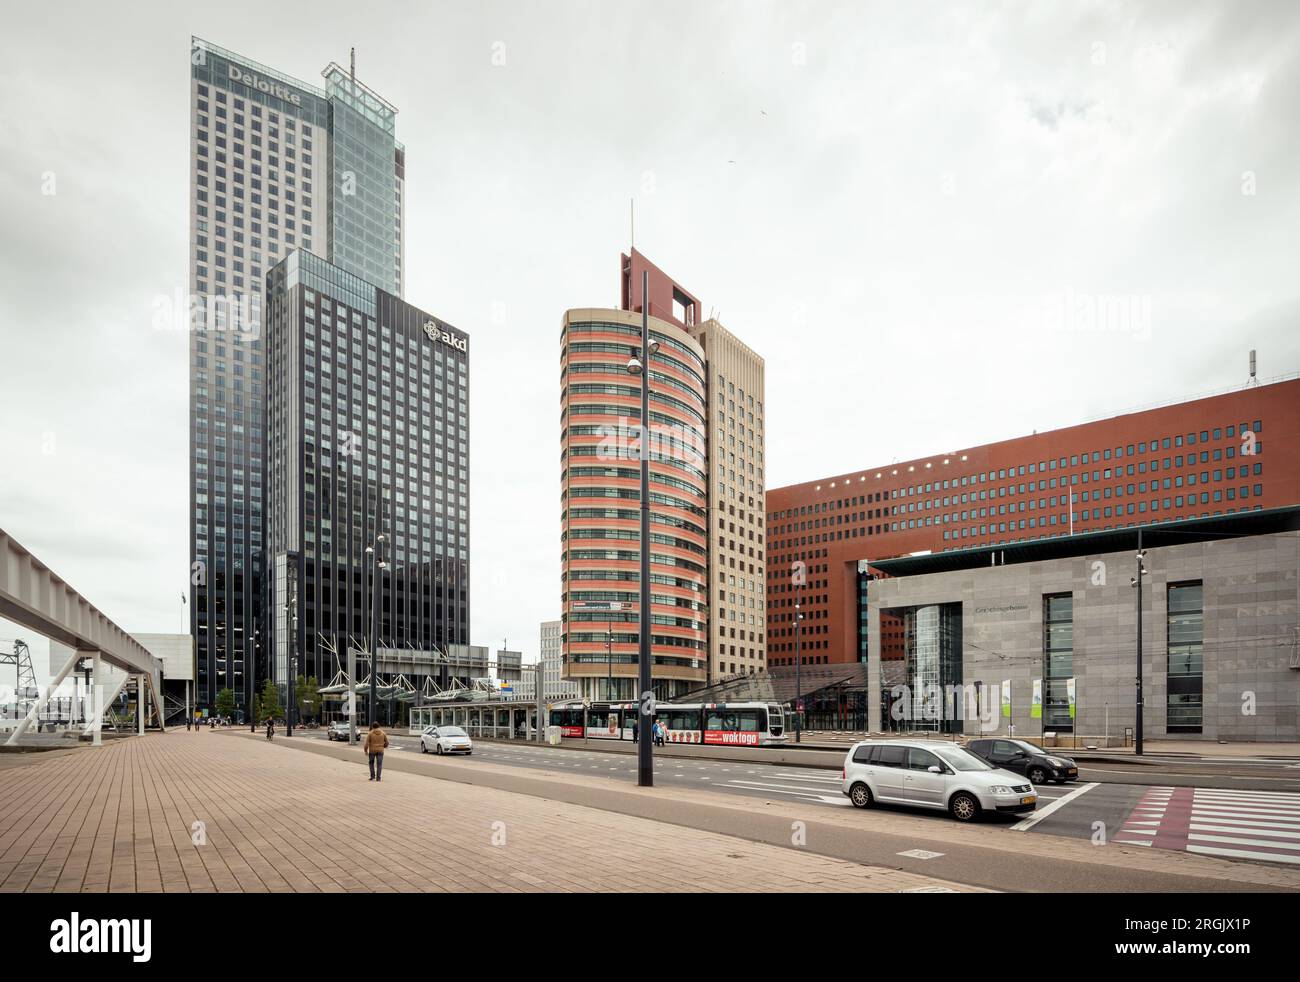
(376, 743)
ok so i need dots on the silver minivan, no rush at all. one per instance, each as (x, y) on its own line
(932, 774)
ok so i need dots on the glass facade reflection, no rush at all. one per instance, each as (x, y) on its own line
(932, 637)
(365, 213)
(1185, 682)
(1058, 661)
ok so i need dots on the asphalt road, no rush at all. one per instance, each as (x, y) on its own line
(1258, 822)
(806, 785)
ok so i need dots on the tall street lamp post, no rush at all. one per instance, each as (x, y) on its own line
(798, 689)
(375, 551)
(645, 707)
(291, 617)
(1136, 582)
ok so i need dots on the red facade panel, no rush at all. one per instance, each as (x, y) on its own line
(669, 300)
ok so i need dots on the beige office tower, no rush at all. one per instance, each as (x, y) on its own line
(737, 537)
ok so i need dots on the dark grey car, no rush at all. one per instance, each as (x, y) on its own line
(1037, 764)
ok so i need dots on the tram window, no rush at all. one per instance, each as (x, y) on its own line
(598, 718)
(747, 721)
(683, 721)
(714, 721)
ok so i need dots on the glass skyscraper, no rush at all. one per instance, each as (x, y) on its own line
(277, 164)
(367, 436)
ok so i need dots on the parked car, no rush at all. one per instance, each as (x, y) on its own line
(1026, 758)
(339, 731)
(932, 774)
(445, 740)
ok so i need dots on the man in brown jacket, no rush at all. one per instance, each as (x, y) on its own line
(375, 744)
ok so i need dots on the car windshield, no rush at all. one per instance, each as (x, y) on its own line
(962, 760)
(450, 731)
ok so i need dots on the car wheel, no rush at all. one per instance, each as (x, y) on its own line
(860, 795)
(437, 749)
(964, 807)
(423, 748)
(1037, 775)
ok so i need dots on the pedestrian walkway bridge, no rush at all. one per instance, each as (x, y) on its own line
(34, 596)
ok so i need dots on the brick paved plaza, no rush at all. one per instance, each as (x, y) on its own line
(118, 819)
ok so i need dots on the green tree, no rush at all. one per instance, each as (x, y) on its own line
(307, 693)
(257, 707)
(270, 701)
(226, 702)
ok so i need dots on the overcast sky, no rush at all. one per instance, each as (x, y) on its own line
(909, 209)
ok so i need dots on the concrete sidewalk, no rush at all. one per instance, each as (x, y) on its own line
(200, 812)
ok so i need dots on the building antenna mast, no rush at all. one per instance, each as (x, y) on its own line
(631, 206)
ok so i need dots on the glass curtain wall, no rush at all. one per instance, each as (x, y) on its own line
(1185, 682)
(1058, 661)
(933, 640)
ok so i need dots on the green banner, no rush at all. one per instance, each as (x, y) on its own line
(1069, 689)
(1036, 707)
(1006, 699)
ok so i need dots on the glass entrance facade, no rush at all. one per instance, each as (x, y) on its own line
(932, 638)
(1185, 683)
(1058, 662)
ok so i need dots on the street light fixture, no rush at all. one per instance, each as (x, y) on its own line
(645, 700)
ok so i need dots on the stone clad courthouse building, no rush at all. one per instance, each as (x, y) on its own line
(1056, 618)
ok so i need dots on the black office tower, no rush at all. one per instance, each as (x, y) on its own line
(367, 470)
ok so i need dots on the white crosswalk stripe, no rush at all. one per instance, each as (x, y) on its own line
(1258, 825)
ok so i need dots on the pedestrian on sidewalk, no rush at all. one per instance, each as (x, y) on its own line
(659, 734)
(270, 727)
(376, 743)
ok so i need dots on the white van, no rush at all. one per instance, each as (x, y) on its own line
(932, 774)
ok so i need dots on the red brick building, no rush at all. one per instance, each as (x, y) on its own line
(1210, 456)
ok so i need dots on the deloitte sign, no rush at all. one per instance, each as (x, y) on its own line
(269, 86)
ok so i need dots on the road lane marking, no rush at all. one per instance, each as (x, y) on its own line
(758, 786)
(1268, 857)
(1026, 824)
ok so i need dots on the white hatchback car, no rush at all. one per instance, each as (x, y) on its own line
(932, 774)
(445, 740)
